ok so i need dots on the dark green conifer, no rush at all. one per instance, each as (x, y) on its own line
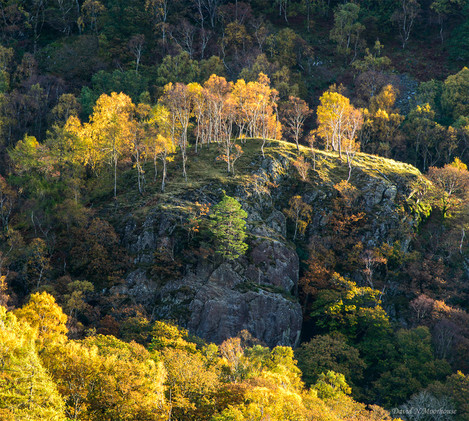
(228, 227)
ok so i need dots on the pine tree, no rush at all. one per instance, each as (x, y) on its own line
(228, 227)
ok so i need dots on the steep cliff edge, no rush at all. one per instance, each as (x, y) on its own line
(177, 277)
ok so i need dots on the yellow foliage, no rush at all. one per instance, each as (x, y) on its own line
(26, 390)
(457, 163)
(45, 315)
(385, 100)
(338, 122)
(109, 135)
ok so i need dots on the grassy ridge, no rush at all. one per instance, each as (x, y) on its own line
(206, 171)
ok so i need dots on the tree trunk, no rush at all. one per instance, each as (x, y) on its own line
(228, 158)
(156, 169)
(164, 175)
(115, 178)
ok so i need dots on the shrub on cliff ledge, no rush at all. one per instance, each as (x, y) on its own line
(228, 227)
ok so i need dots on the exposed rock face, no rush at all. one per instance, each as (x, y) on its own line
(139, 286)
(255, 292)
(221, 305)
(218, 314)
(273, 263)
(218, 302)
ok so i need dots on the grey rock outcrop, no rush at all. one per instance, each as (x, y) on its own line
(216, 302)
(255, 292)
(218, 314)
(222, 304)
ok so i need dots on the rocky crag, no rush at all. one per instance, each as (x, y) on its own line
(257, 292)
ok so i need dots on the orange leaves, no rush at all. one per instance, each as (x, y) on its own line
(302, 167)
(201, 210)
(218, 105)
(221, 111)
(217, 86)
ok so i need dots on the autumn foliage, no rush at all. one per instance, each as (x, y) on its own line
(46, 376)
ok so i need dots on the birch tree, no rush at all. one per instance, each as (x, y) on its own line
(294, 114)
(177, 99)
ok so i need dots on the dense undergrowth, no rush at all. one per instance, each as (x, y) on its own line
(94, 140)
